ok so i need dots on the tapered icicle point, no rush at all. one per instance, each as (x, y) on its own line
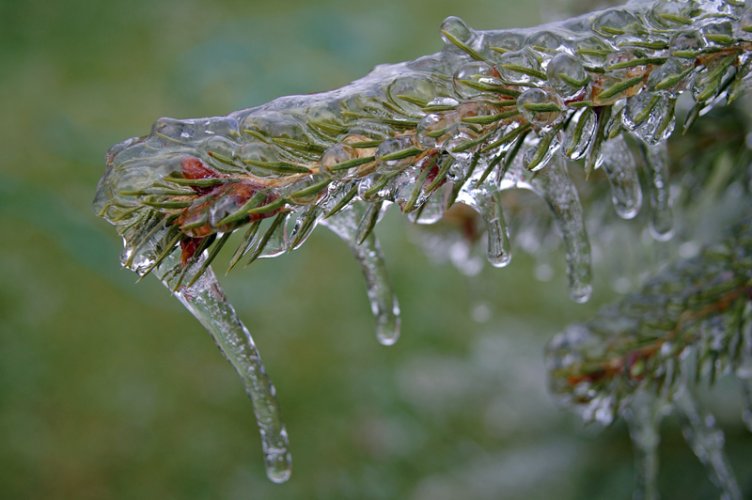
(556, 188)
(206, 301)
(621, 170)
(499, 252)
(643, 416)
(706, 440)
(661, 215)
(384, 304)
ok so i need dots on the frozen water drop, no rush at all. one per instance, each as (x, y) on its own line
(454, 27)
(718, 34)
(434, 129)
(567, 75)
(672, 13)
(539, 107)
(475, 79)
(389, 152)
(507, 41)
(687, 44)
(579, 134)
(616, 22)
(334, 156)
(650, 116)
(519, 68)
(621, 170)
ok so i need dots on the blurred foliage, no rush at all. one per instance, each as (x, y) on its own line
(110, 390)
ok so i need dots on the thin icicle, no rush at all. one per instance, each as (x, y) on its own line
(499, 252)
(743, 368)
(384, 304)
(556, 188)
(621, 170)
(661, 215)
(706, 440)
(643, 416)
(747, 402)
(206, 301)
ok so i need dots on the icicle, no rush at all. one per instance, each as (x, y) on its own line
(661, 216)
(554, 185)
(384, 304)
(747, 402)
(706, 440)
(619, 166)
(206, 301)
(643, 416)
(743, 369)
(499, 251)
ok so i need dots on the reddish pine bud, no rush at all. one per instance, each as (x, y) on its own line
(193, 168)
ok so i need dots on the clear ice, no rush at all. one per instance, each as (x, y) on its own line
(206, 301)
(641, 356)
(492, 111)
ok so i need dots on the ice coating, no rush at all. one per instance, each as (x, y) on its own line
(403, 132)
(690, 323)
(492, 111)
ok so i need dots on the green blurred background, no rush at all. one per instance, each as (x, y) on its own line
(109, 389)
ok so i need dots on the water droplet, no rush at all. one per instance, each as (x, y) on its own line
(434, 129)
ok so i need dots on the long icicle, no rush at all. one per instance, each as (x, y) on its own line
(206, 301)
(384, 304)
(706, 440)
(643, 416)
(556, 188)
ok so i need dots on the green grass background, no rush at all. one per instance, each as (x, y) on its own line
(108, 389)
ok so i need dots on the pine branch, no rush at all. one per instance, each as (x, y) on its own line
(492, 111)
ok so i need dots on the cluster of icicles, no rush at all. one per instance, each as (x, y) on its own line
(641, 357)
(494, 110)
